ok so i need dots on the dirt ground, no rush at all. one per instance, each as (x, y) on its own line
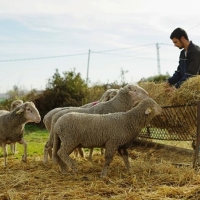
(157, 173)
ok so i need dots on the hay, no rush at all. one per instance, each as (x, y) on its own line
(152, 176)
(175, 119)
(188, 93)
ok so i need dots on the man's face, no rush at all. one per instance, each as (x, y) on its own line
(178, 43)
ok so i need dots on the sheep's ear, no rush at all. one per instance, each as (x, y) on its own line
(147, 111)
(20, 111)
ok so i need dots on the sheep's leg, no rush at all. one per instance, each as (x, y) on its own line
(64, 153)
(24, 156)
(109, 154)
(47, 151)
(102, 151)
(80, 151)
(13, 148)
(76, 152)
(5, 153)
(45, 159)
(124, 154)
(90, 154)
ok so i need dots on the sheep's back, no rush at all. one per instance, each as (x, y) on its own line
(93, 130)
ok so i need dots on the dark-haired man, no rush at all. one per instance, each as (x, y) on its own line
(189, 59)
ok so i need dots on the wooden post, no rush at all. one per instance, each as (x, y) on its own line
(197, 148)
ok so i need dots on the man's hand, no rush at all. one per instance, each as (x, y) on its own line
(169, 88)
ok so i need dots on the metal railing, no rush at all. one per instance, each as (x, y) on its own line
(180, 123)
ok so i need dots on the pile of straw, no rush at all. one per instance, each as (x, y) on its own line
(188, 93)
(175, 120)
(152, 176)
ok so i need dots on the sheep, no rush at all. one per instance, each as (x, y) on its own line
(111, 131)
(2, 112)
(14, 105)
(109, 94)
(126, 98)
(12, 126)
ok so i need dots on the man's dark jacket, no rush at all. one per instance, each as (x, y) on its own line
(189, 65)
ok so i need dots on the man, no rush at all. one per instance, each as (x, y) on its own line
(189, 60)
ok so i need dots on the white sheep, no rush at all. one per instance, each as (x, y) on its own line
(109, 94)
(14, 105)
(111, 131)
(126, 98)
(12, 126)
(2, 112)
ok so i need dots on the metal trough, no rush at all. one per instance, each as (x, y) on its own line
(180, 123)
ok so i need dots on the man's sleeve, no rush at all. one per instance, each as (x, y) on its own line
(176, 77)
(193, 63)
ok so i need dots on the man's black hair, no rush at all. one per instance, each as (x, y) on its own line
(178, 33)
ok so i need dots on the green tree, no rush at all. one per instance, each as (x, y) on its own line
(65, 90)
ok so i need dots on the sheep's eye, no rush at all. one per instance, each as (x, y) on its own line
(29, 110)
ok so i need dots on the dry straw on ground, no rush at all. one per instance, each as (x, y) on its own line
(153, 176)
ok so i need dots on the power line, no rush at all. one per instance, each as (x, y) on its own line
(70, 55)
(122, 48)
(194, 26)
(40, 58)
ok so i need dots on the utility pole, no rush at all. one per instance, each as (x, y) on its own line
(88, 66)
(158, 58)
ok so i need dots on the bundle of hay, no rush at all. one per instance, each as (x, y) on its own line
(157, 91)
(176, 119)
(188, 93)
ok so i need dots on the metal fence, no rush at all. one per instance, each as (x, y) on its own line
(181, 123)
(176, 123)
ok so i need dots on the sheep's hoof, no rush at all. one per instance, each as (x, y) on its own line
(89, 159)
(45, 160)
(24, 159)
(63, 169)
(102, 175)
(75, 171)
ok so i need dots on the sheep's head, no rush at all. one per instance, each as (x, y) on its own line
(137, 93)
(30, 112)
(109, 94)
(152, 109)
(15, 104)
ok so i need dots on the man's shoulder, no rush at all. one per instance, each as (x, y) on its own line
(194, 47)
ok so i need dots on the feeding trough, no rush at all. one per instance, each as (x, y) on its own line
(177, 123)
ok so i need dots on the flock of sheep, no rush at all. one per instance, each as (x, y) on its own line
(111, 124)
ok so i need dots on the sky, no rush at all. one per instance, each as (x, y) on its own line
(97, 38)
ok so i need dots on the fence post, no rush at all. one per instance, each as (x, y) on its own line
(196, 154)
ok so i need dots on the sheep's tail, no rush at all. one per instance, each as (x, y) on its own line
(56, 146)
